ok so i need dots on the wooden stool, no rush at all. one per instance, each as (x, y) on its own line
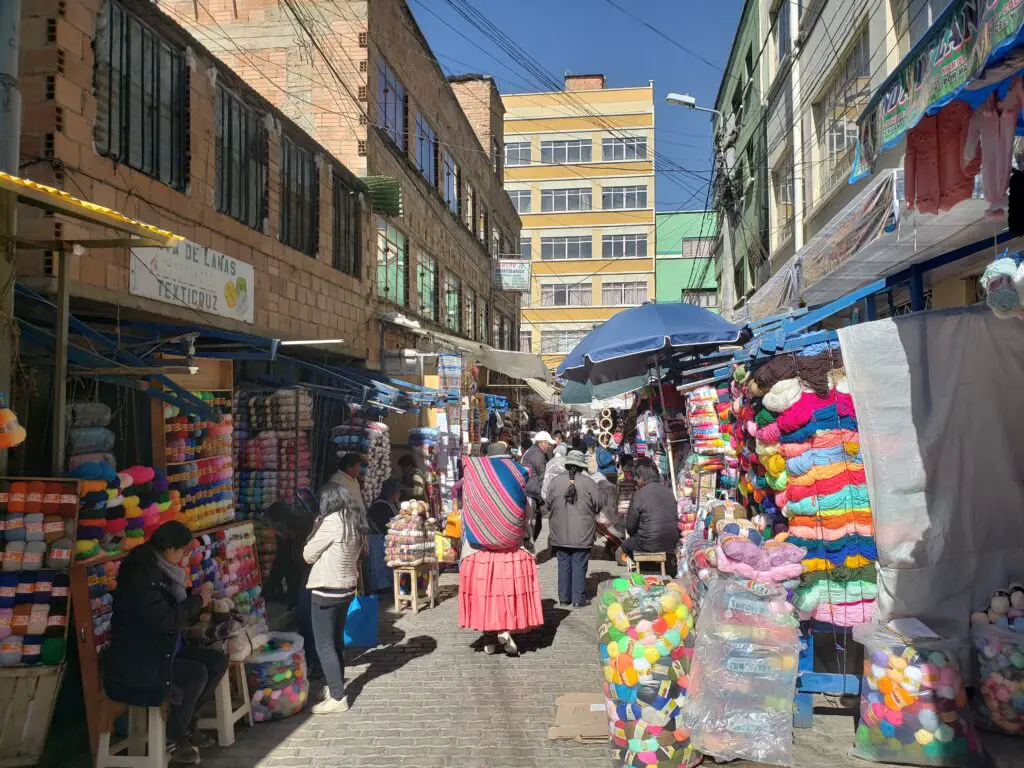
(225, 713)
(144, 747)
(633, 564)
(413, 598)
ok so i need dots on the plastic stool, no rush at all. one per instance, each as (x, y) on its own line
(225, 713)
(144, 747)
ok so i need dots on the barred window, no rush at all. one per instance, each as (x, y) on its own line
(392, 106)
(141, 97)
(623, 246)
(481, 321)
(242, 159)
(300, 198)
(426, 149)
(345, 228)
(427, 287)
(469, 308)
(452, 302)
(392, 263)
(451, 183)
(623, 294)
(560, 248)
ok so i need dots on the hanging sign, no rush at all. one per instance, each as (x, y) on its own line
(191, 275)
(512, 275)
(967, 36)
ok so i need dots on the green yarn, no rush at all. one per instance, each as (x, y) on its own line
(764, 417)
(52, 652)
(841, 574)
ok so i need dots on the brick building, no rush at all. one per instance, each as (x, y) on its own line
(362, 79)
(124, 109)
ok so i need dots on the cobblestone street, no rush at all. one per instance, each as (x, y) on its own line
(433, 698)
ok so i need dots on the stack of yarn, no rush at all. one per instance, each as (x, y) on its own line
(277, 680)
(739, 550)
(371, 440)
(743, 679)
(998, 637)
(705, 431)
(199, 464)
(89, 440)
(811, 452)
(102, 579)
(34, 581)
(645, 636)
(913, 703)
(410, 537)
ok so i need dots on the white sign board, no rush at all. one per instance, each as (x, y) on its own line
(512, 275)
(192, 275)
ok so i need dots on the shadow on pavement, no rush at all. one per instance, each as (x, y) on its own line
(381, 661)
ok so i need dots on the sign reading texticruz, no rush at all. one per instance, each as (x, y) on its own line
(192, 275)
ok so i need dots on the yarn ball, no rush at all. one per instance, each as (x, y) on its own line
(999, 281)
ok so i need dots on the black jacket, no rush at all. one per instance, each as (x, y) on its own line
(536, 461)
(652, 521)
(145, 627)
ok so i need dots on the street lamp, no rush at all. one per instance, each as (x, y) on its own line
(688, 101)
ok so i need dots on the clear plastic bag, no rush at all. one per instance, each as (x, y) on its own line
(277, 680)
(645, 635)
(1000, 701)
(913, 706)
(743, 680)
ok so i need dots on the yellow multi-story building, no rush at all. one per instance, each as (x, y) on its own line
(579, 167)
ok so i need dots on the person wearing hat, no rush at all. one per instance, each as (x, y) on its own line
(536, 460)
(574, 500)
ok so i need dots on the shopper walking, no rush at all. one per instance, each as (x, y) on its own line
(333, 550)
(574, 500)
(347, 476)
(149, 664)
(536, 460)
(499, 592)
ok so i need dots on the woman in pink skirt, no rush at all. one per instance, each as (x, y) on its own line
(499, 593)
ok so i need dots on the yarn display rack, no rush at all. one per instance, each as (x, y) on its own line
(372, 441)
(38, 517)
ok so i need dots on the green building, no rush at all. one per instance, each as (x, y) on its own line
(684, 257)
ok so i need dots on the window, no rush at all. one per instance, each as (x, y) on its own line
(392, 263)
(697, 247)
(496, 330)
(345, 229)
(559, 342)
(525, 248)
(496, 243)
(623, 294)
(525, 341)
(565, 200)
(391, 104)
(566, 151)
(469, 305)
(300, 198)
(496, 158)
(241, 187)
(362, 39)
(782, 187)
(469, 209)
(703, 299)
(426, 149)
(613, 198)
(481, 321)
(141, 85)
(362, 93)
(484, 224)
(452, 304)
(623, 246)
(506, 334)
(561, 248)
(426, 286)
(560, 295)
(835, 114)
(520, 199)
(451, 184)
(780, 21)
(628, 148)
(517, 153)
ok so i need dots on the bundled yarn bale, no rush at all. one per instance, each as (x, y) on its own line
(998, 637)
(277, 679)
(410, 540)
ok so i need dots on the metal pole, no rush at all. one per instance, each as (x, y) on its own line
(668, 442)
(10, 144)
(60, 369)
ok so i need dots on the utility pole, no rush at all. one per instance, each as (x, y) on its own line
(10, 159)
(725, 145)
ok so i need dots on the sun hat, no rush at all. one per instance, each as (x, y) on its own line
(576, 459)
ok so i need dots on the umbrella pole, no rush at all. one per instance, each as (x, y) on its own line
(668, 441)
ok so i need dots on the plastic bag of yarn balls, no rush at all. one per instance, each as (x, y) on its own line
(743, 676)
(1000, 654)
(913, 705)
(645, 644)
(276, 674)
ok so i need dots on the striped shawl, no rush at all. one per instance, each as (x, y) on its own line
(494, 502)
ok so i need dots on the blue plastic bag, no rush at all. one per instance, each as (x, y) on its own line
(361, 622)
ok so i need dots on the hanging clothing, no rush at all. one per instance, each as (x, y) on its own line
(936, 178)
(993, 127)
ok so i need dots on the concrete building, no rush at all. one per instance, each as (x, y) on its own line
(124, 109)
(361, 77)
(579, 166)
(684, 257)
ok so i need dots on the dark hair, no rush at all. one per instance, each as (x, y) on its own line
(556, 434)
(625, 460)
(406, 461)
(570, 492)
(578, 444)
(171, 535)
(646, 470)
(389, 488)
(349, 460)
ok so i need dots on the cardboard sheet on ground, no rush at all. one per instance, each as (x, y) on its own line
(580, 717)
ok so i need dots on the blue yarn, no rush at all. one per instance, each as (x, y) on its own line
(817, 349)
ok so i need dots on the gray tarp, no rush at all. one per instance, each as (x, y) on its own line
(943, 446)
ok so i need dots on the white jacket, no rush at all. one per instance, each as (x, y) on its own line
(335, 559)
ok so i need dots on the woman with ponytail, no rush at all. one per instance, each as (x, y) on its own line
(574, 500)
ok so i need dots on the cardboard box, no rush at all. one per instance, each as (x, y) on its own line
(580, 717)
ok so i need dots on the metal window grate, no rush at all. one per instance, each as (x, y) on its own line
(141, 98)
(345, 229)
(300, 198)
(242, 161)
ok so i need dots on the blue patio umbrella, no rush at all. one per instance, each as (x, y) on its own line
(636, 339)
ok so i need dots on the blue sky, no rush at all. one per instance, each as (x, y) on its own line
(590, 36)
